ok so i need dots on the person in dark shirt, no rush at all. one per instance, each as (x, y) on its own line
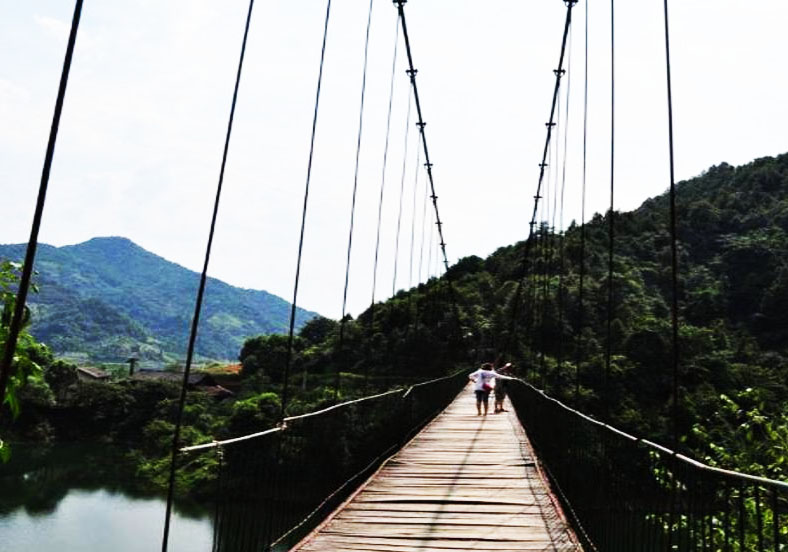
(500, 387)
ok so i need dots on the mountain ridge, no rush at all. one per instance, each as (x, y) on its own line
(110, 297)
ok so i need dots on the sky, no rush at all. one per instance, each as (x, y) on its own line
(148, 99)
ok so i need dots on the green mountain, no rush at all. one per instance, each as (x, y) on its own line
(110, 298)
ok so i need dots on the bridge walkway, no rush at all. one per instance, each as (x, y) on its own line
(466, 482)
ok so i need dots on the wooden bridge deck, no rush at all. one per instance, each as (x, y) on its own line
(465, 482)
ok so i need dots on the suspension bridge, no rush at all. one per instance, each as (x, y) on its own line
(415, 468)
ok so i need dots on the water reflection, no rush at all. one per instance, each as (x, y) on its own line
(84, 497)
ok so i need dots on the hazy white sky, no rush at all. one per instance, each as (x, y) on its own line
(149, 95)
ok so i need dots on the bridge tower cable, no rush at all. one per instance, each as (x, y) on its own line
(201, 292)
(400, 4)
(579, 347)
(342, 321)
(289, 356)
(19, 315)
(529, 242)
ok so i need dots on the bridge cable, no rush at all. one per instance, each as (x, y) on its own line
(673, 241)
(428, 164)
(431, 244)
(581, 306)
(401, 193)
(561, 235)
(412, 242)
(19, 317)
(545, 250)
(201, 292)
(606, 491)
(423, 230)
(383, 180)
(611, 213)
(421, 279)
(674, 307)
(412, 238)
(531, 236)
(288, 358)
(353, 203)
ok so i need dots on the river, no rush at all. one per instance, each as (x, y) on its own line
(78, 498)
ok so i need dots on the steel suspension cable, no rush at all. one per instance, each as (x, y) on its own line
(421, 124)
(611, 216)
(289, 357)
(412, 239)
(431, 244)
(421, 247)
(353, 202)
(423, 228)
(545, 253)
(529, 242)
(201, 292)
(413, 220)
(579, 347)
(427, 163)
(561, 234)
(401, 192)
(18, 318)
(383, 176)
(673, 241)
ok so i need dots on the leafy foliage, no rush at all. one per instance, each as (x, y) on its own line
(29, 356)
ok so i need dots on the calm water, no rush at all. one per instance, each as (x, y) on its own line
(77, 498)
(101, 520)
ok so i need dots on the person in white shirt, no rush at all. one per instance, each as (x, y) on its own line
(483, 382)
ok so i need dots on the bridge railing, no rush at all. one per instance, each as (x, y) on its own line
(276, 485)
(625, 493)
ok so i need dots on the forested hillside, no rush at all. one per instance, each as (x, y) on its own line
(733, 349)
(110, 298)
(733, 296)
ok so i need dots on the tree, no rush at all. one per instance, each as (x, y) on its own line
(29, 356)
(318, 329)
(61, 377)
(267, 355)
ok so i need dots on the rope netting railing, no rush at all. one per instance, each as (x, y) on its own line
(271, 488)
(625, 493)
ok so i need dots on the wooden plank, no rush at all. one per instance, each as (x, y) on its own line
(466, 482)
